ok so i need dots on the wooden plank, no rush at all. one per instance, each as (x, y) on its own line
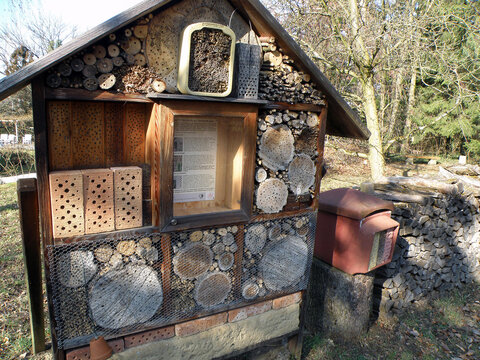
(114, 120)
(41, 161)
(321, 150)
(293, 107)
(88, 137)
(22, 77)
(32, 258)
(59, 135)
(97, 95)
(166, 269)
(166, 96)
(134, 134)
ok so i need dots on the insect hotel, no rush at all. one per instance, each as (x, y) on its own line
(179, 149)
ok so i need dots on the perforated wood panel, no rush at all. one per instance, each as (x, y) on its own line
(88, 134)
(66, 192)
(135, 134)
(59, 146)
(114, 115)
(98, 193)
(128, 197)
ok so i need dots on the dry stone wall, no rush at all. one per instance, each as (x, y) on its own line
(437, 250)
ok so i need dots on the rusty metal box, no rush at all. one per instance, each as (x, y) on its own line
(355, 232)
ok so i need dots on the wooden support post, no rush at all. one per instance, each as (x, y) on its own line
(29, 221)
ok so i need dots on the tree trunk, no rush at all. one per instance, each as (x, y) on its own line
(375, 157)
(410, 105)
(395, 103)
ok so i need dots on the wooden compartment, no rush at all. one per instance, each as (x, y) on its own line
(208, 165)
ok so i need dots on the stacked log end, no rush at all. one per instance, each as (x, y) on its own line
(281, 81)
(438, 247)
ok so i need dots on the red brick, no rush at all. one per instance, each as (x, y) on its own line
(199, 325)
(149, 336)
(288, 300)
(247, 311)
(84, 353)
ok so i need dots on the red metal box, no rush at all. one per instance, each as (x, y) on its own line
(355, 232)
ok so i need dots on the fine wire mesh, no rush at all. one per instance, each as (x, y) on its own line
(114, 287)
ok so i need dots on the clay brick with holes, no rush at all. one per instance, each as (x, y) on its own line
(84, 352)
(98, 195)
(66, 195)
(247, 311)
(287, 300)
(149, 336)
(200, 325)
(128, 197)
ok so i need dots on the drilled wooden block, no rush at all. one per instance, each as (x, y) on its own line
(135, 116)
(66, 194)
(99, 200)
(128, 197)
(88, 134)
(59, 139)
(114, 115)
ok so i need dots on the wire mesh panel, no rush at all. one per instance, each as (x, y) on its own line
(132, 283)
(277, 256)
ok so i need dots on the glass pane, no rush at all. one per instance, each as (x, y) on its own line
(208, 165)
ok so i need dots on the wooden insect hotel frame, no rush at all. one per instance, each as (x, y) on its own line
(170, 217)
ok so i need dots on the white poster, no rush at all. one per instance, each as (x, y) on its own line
(194, 160)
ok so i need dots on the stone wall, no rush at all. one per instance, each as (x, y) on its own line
(438, 247)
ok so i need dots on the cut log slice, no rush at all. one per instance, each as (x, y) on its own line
(275, 58)
(208, 238)
(192, 261)
(112, 37)
(104, 65)
(276, 147)
(124, 297)
(225, 262)
(272, 195)
(228, 239)
(158, 85)
(89, 59)
(284, 263)
(196, 236)
(76, 268)
(250, 290)
(99, 51)
(54, 80)
(89, 71)
(113, 50)
(90, 83)
(77, 64)
(126, 247)
(64, 69)
(130, 59)
(212, 289)
(132, 45)
(140, 31)
(312, 120)
(255, 238)
(103, 253)
(106, 81)
(275, 232)
(118, 61)
(140, 60)
(301, 174)
(260, 175)
(306, 142)
(145, 242)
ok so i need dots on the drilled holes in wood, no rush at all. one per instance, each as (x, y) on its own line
(59, 145)
(114, 115)
(135, 134)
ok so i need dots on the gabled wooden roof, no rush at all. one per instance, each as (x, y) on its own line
(342, 120)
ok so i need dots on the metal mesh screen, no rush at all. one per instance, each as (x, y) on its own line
(248, 59)
(114, 287)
